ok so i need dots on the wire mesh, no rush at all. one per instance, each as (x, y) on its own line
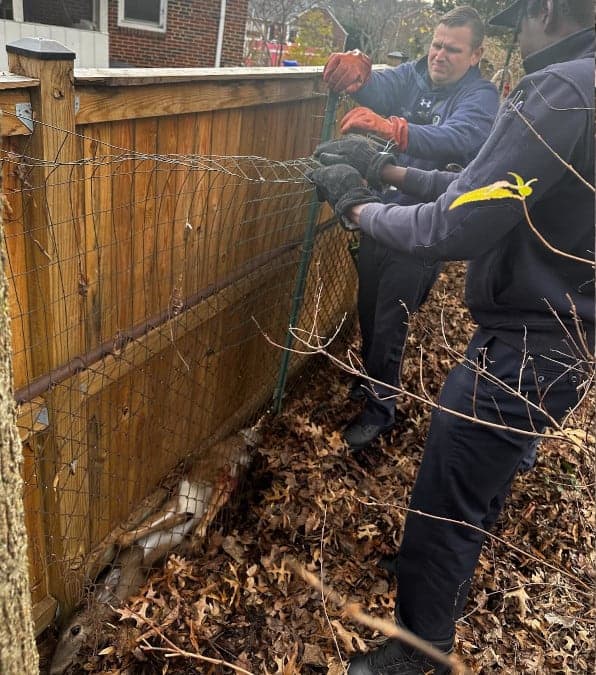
(142, 288)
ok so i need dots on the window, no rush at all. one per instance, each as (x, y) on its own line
(143, 14)
(6, 9)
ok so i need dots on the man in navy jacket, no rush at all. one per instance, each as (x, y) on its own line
(440, 111)
(530, 287)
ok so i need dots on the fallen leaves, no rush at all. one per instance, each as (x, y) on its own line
(235, 600)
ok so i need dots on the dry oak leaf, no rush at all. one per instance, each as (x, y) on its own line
(137, 610)
(351, 641)
(368, 531)
(313, 655)
(233, 548)
(556, 619)
(522, 598)
(335, 441)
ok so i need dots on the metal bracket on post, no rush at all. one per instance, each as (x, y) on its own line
(77, 104)
(24, 113)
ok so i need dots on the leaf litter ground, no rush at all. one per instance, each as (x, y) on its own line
(306, 497)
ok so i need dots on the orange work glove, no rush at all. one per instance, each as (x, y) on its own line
(347, 72)
(364, 120)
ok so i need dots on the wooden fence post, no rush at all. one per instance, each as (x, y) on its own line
(55, 261)
(52, 240)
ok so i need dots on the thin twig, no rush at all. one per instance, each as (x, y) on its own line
(388, 628)
(177, 651)
(312, 350)
(463, 523)
(322, 548)
(570, 167)
(549, 246)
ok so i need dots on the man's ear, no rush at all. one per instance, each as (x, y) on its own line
(550, 15)
(476, 56)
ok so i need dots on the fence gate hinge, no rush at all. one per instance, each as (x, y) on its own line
(77, 104)
(24, 114)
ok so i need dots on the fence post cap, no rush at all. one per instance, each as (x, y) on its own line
(41, 48)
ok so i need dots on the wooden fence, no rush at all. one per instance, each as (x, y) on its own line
(138, 251)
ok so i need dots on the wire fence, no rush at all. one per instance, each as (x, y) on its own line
(146, 292)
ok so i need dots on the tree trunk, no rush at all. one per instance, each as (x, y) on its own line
(18, 653)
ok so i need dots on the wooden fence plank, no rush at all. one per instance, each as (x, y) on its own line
(12, 81)
(121, 233)
(69, 487)
(44, 613)
(136, 76)
(10, 124)
(165, 278)
(96, 209)
(143, 235)
(196, 213)
(120, 103)
(36, 543)
(18, 263)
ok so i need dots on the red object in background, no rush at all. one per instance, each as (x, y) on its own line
(276, 53)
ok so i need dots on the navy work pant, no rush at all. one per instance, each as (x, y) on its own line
(466, 473)
(391, 287)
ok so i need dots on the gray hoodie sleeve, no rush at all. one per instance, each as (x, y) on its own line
(427, 186)
(556, 111)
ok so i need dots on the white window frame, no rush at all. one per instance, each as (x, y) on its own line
(144, 25)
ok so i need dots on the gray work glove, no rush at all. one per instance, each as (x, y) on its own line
(341, 185)
(364, 154)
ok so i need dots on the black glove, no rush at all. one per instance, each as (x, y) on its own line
(341, 185)
(364, 154)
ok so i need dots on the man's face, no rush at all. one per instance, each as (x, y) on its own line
(451, 55)
(532, 36)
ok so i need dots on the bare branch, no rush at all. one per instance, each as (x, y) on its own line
(549, 246)
(323, 601)
(175, 651)
(463, 523)
(388, 628)
(574, 171)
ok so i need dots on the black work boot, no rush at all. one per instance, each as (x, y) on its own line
(359, 436)
(357, 392)
(394, 657)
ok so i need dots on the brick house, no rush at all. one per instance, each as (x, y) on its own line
(141, 33)
(175, 33)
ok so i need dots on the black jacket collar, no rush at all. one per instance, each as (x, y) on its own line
(574, 46)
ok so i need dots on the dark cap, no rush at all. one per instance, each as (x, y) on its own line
(508, 18)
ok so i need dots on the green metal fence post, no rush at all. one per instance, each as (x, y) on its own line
(307, 248)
